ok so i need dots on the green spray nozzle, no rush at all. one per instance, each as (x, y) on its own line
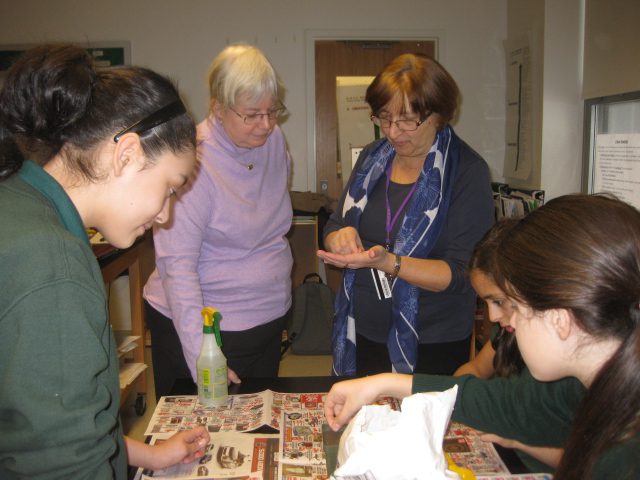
(212, 318)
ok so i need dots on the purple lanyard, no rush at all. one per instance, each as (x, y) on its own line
(391, 221)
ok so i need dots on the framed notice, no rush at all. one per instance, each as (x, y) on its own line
(355, 129)
(105, 54)
(611, 160)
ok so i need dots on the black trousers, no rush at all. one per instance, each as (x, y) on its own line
(250, 353)
(433, 358)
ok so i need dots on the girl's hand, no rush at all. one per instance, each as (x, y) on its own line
(346, 398)
(549, 455)
(183, 447)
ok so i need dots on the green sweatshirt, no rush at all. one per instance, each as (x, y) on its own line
(535, 413)
(59, 387)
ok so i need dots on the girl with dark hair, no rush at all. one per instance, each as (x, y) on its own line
(499, 357)
(572, 272)
(79, 147)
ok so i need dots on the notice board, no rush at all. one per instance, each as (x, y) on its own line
(611, 161)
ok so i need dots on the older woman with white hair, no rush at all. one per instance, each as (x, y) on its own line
(226, 247)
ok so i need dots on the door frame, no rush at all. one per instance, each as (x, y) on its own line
(310, 36)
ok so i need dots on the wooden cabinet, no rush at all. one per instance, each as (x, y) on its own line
(131, 261)
(303, 238)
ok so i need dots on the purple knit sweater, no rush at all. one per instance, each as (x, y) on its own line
(225, 246)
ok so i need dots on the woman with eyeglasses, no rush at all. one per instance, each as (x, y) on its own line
(417, 202)
(79, 147)
(226, 246)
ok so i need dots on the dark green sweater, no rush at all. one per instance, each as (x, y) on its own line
(535, 413)
(59, 387)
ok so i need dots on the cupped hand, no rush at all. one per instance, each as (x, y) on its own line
(375, 257)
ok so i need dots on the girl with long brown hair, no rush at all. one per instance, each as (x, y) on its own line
(572, 272)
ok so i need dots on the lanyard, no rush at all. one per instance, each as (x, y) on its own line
(391, 221)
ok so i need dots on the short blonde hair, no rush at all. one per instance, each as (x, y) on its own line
(242, 70)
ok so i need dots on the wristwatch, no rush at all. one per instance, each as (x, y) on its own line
(396, 266)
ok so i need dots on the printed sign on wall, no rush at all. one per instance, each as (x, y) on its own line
(355, 129)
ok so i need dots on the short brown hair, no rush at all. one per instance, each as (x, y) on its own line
(425, 83)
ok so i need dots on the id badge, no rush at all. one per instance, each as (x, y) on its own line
(380, 280)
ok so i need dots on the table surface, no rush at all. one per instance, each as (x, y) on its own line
(315, 385)
(277, 384)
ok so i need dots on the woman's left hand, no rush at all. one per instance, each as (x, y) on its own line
(375, 257)
(232, 377)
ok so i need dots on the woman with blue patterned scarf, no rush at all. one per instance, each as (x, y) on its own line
(417, 202)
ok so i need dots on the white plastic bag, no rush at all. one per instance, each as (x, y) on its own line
(383, 444)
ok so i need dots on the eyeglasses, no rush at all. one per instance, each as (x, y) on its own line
(255, 118)
(166, 113)
(404, 125)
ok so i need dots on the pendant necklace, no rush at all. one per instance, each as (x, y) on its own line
(248, 166)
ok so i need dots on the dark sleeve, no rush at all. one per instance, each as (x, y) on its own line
(61, 411)
(520, 407)
(336, 222)
(470, 215)
(622, 458)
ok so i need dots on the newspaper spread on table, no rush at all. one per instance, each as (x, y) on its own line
(466, 449)
(227, 455)
(292, 447)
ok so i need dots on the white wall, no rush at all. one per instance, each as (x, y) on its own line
(179, 38)
(562, 108)
(525, 20)
(555, 29)
(612, 43)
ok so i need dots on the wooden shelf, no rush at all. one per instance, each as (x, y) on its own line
(113, 263)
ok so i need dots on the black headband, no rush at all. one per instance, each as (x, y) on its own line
(166, 113)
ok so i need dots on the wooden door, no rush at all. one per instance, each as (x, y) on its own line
(347, 58)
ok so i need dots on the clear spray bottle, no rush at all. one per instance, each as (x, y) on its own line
(211, 365)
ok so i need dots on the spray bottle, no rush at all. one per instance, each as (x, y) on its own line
(211, 365)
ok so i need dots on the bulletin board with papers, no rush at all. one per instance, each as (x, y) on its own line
(611, 160)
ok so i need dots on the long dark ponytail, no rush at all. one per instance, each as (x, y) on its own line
(54, 98)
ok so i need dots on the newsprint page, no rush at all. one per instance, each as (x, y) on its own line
(272, 436)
